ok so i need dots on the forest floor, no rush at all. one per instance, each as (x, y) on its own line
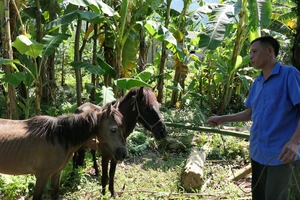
(152, 175)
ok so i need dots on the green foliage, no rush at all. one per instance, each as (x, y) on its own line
(104, 96)
(87, 66)
(221, 16)
(16, 186)
(109, 70)
(137, 143)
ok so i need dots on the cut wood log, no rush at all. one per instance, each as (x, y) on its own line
(241, 173)
(192, 175)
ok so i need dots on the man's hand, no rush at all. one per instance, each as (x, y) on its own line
(215, 120)
(289, 152)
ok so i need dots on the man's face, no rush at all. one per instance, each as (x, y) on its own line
(259, 55)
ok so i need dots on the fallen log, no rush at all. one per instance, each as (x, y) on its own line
(192, 174)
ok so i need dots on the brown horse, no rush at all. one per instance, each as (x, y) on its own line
(138, 105)
(44, 145)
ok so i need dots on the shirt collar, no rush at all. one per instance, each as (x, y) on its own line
(274, 71)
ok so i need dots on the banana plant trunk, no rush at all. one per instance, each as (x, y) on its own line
(143, 55)
(181, 69)
(9, 90)
(77, 59)
(39, 64)
(94, 62)
(160, 84)
(241, 36)
(49, 71)
(118, 67)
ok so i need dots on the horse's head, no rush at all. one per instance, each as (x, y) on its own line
(148, 112)
(110, 133)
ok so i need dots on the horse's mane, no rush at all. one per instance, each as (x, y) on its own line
(148, 95)
(70, 129)
(67, 129)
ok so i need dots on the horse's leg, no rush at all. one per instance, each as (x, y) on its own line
(75, 158)
(41, 181)
(104, 178)
(95, 162)
(81, 156)
(112, 170)
(55, 182)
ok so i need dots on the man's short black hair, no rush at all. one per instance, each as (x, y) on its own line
(269, 40)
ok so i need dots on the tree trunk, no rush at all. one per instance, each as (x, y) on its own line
(94, 62)
(81, 49)
(49, 78)
(9, 90)
(143, 55)
(181, 69)
(77, 59)
(109, 55)
(40, 66)
(63, 60)
(160, 84)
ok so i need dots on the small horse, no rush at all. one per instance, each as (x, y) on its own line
(138, 105)
(44, 145)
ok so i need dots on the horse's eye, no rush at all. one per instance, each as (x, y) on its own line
(113, 130)
(148, 108)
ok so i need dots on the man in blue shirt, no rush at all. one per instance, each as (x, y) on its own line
(274, 107)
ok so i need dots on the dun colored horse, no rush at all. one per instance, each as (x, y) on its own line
(44, 145)
(138, 105)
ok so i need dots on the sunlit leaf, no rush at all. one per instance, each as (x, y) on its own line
(14, 78)
(51, 42)
(28, 46)
(89, 67)
(128, 83)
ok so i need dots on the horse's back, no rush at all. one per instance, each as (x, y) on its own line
(87, 107)
(12, 128)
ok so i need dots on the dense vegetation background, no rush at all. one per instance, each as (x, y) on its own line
(55, 55)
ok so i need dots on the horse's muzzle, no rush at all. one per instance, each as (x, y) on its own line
(160, 132)
(121, 154)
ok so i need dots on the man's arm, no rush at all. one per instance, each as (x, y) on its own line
(237, 117)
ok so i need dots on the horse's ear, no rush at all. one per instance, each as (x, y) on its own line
(154, 88)
(141, 91)
(116, 105)
(108, 111)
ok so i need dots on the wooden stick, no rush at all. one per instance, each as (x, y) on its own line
(241, 173)
(208, 129)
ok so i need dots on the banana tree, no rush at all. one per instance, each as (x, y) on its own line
(120, 29)
(180, 64)
(32, 73)
(230, 26)
(9, 90)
